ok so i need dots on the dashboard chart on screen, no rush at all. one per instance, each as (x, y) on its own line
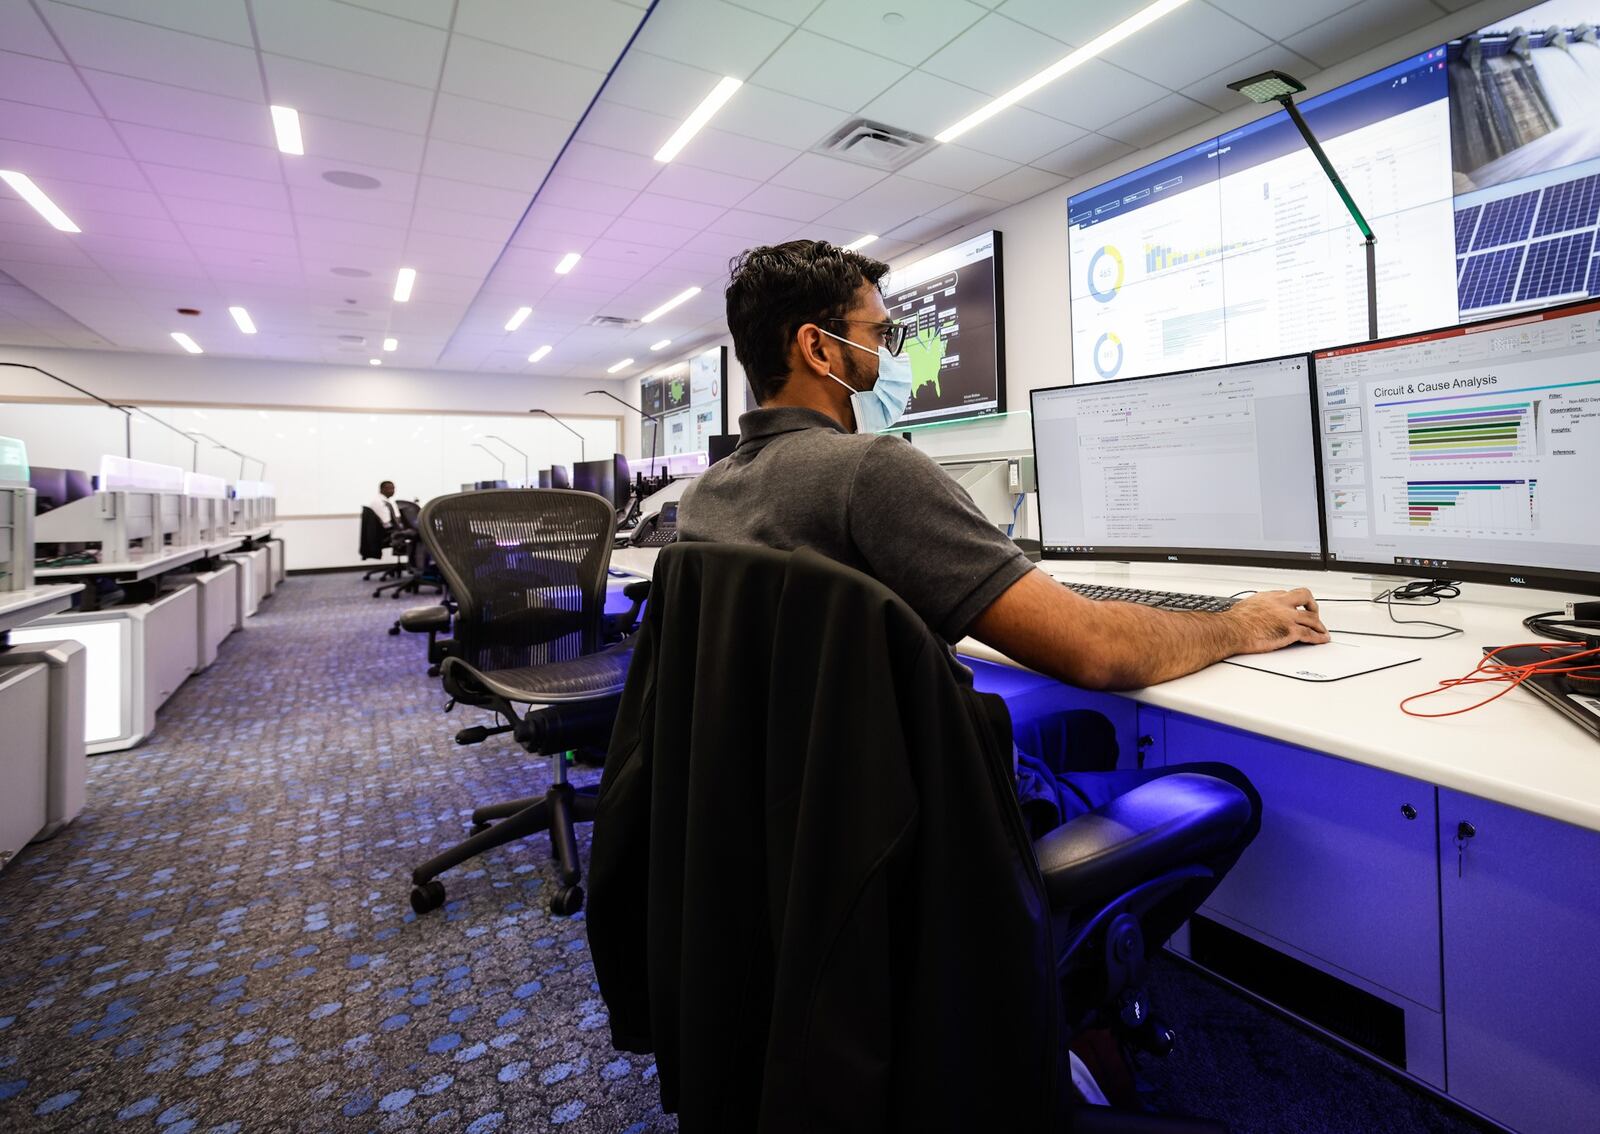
(1471, 451)
(950, 302)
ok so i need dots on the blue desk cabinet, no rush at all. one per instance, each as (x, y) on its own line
(1339, 877)
(1521, 927)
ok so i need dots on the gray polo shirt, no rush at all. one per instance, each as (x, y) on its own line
(869, 501)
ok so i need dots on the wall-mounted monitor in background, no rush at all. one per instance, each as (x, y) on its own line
(1216, 465)
(653, 395)
(693, 404)
(1470, 452)
(951, 301)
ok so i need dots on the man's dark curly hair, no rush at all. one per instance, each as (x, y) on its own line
(778, 288)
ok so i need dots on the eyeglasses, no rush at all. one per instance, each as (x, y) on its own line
(893, 335)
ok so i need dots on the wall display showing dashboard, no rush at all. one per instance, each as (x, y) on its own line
(1467, 452)
(1476, 162)
(951, 303)
(691, 400)
(1215, 465)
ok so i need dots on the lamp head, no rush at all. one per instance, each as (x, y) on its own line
(1269, 86)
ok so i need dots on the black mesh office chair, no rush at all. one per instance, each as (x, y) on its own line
(820, 899)
(418, 568)
(527, 569)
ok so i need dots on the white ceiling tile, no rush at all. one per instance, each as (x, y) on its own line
(448, 222)
(230, 215)
(307, 173)
(458, 119)
(662, 86)
(883, 27)
(828, 176)
(574, 193)
(1186, 45)
(711, 35)
(493, 73)
(653, 207)
(1278, 20)
(649, 232)
(753, 227)
(1159, 121)
(333, 204)
(451, 254)
(994, 55)
(923, 229)
(56, 252)
(889, 203)
(1084, 155)
(1358, 27)
(956, 167)
(214, 19)
(825, 71)
(591, 34)
(1093, 94)
(435, 12)
(789, 11)
(772, 116)
(625, 128)
(339, 142)
(1075, 22)
(314, 89)
(175, 108)
(383, 242)
(791, 204)
(485, 167)
(732, 153)
(608, 165)
(209, 236)
(573, 222)
(124, 47)
(549, 246)
(21, 30)
(924, 104)
(43, 82)
(1021, 184)
(149, 145)
(1020, 135)
(47, 164)
(642, 255)
(46, 126)
(691, 184)
(129, 197)
(353, 39)
(1213, 90)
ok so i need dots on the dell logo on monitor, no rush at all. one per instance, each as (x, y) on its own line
(1519, 580)
(1172, 559)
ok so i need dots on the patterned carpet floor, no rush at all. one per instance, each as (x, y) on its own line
(222, 941)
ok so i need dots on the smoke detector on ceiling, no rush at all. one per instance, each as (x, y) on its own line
(616, 322)
(866, 142)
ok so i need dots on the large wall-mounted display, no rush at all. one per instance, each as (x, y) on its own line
(691, 399)
(1476, 162)
(951, 300)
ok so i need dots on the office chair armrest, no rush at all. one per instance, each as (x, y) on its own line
(637, 591)
(1177, 820)
(618, 626)
(562, 728)
(422, 619)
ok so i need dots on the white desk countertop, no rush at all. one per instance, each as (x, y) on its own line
(17, 608)
(135, 567)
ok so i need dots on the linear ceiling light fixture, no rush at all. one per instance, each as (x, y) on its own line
(623, 365)
(1100, 43)
(391, 344)
(662, 345)
(698, 117)
(186, 342)
(518, 318)
(404, 281)
(242, 318)
(540, 353)
(374, 362)
(286, 125)
(682, 297)
(860, 242)
(35, 196)
(568, 262)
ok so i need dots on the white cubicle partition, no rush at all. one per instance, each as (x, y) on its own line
(218, 608)
(255, 582)
(24, 706)
(66, 668)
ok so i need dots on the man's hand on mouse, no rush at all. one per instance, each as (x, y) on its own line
(1270, 620)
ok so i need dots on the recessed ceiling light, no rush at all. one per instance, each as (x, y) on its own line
(286, 124)
(860, 242)
(662, 344)
(518, 317)
(186, 342)
(346, 179)
(568, 262)
(540, 353)
(1107, 39)
(43, 205)
(624, 364)
(682, 297)
(390, 344)
(242, 318)
(374, 362)
(404, 281)
(697, 119)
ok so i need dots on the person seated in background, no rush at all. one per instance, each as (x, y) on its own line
(384, 507)
(814, 469)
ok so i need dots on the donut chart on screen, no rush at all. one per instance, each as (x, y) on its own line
(1108, 355)
(1106, 273)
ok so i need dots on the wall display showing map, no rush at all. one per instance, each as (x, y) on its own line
(950, 302)
(690, 398)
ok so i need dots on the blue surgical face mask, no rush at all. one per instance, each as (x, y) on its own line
(882, 405)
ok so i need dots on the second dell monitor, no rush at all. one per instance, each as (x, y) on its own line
(1215, 465)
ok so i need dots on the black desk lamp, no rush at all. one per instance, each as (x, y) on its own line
(581, 450)
(1275, 86)
(655, 449)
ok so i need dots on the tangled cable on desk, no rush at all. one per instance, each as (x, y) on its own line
(1491, 670)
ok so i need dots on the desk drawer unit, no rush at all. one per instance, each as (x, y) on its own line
(24, 756)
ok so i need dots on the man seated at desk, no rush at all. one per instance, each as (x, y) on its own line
(812, 469)
(383, 506)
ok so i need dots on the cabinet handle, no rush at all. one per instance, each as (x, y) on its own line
(1146, 741)
(1408, 811)
(1464, 831)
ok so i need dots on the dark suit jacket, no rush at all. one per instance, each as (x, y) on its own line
(811, 891)
(374, 535)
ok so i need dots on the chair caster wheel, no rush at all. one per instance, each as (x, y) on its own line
(427, 897)
(378, 593)
(394, 631)
(567, 902)
(479, 828)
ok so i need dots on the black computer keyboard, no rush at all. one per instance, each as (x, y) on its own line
(1164, 600)
(658, 538)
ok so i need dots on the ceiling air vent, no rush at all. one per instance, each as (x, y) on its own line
(616, 322)
(866, 142)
